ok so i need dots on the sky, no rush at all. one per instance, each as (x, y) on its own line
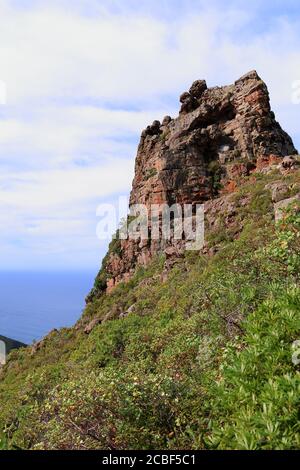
(83, 78)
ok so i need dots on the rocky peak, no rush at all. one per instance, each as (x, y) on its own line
(221, 134)
(223, 125)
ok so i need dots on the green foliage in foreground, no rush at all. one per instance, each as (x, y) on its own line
(204, 361)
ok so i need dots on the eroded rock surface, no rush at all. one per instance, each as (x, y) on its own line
(220, 135)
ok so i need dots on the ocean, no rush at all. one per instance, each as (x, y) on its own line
(33, 303)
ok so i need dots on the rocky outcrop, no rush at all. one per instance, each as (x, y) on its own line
(222, 125)
(222, 134)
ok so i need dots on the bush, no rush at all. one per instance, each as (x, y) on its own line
(202, 361)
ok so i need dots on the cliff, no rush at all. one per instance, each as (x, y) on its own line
(221, 134)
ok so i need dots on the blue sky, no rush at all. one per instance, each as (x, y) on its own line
(85, 77)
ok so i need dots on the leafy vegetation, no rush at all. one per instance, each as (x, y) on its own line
(150, 173)
(202, 361)
(215, 170)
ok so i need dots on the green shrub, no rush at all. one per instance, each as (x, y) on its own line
(202, 361)
(150, 173)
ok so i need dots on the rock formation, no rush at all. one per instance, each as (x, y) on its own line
(221, 134)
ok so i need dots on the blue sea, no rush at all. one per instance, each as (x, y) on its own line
(33, 303)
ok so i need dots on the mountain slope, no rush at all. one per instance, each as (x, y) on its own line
(195, 349)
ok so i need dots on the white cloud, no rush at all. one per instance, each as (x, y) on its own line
(66, 133)
(51, 188)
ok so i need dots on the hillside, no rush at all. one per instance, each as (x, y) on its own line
(181, 349)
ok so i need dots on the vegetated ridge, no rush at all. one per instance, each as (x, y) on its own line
(179, 349)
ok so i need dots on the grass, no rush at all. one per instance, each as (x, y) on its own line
(204, 361)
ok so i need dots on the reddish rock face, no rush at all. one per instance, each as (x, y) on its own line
(223, 131)
(230, 187)
(228, 124)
